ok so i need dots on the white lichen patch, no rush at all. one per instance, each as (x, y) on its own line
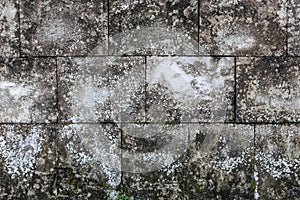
(20, 151)
(228, 2)
(224, 147)
(192, 81)
(155, 158)
(103, 88)
(229, 164)
(230, 41)
(8, 28)
(58, 31)
(256, 179)
(277, 168)
(279, 98)
(186, 85)
(87, 97)
(88, 145)
(9, 11)
(16, 100)
(278, 150)
(157, 39)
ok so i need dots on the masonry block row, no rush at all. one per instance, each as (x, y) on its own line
(148, 27)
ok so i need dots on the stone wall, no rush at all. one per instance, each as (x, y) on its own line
(149, 99)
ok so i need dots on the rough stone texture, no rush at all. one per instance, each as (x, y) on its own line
(101, 89)
(170, 182)
(55, 27)
(28, 90)
(268, 89)
(89, 160)
(160, 154)
(153, 27)
(150, 147)
(189, 89)
(28, 157)
(221, 161)
(9, 28)
(149, 99)
(293, 27)
(245, 27)
(277, 161)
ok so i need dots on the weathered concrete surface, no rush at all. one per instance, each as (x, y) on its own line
(56, 28)
(9, 28)
(243, 27)
(28, 90)
(268, 89)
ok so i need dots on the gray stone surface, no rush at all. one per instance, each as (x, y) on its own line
(28, 158)
(28, 90)
(243, 27)
(150, 147)
(89, 160)
(55, 28)
(145, 99)
(161, 157)
(189, 89)
(170, 182)
(9, 28)
(100, 89)
(221, 161)
(293, 27)
(152, 27)
(268, 89)
(277, 161)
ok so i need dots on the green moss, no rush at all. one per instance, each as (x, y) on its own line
(123, 197)
(211, 195)
(254, 185)
(197, 188)
(75, 192)
(155, 196)
(66, 123)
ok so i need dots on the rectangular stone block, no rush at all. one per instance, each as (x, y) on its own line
(9, 28)
(189, 89)
(57, 28)
(221, 160)
(277, 161)
(89, 160)
(27, 161)
(100, 89)
(155, 161)
(246, 27)
(28, 90)
(150, 27)
(151, 147)
(268, 89)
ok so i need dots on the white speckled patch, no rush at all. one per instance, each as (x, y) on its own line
(19, 151)
(91, 145)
